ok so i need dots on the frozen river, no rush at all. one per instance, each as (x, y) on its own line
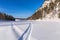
(30, 30)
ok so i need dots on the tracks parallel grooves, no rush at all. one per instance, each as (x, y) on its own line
(21, 37)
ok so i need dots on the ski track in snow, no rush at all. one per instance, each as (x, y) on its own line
(30, 30)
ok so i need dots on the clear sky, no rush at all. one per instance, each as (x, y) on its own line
(20, 8)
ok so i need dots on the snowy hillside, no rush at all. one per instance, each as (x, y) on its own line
(50, 10)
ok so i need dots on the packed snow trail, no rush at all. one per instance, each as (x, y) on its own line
(13, 32)
(30, 30)
(20, 33)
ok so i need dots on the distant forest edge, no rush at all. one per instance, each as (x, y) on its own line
(5, 17)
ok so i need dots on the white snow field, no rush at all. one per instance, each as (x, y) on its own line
(30, 30)
(14, 31)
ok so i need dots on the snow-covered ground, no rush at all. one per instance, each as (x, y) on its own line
(46, 30)
(30, 30)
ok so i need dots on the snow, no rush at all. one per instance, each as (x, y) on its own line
(30, 30)
(13, 31)
(45, 30)
(6, 33)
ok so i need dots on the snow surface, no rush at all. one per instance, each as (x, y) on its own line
(30, 30)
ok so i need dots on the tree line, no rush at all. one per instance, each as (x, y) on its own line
(4, 16)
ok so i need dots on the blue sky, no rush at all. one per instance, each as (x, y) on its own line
(20, 8)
